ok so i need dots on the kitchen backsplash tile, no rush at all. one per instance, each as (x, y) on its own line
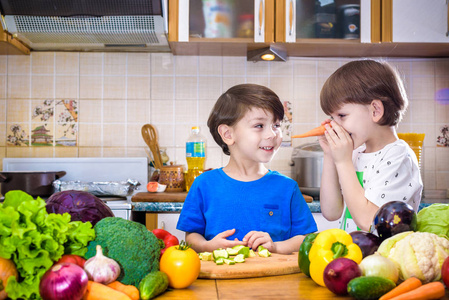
(115, 64)
(91, 87)
(42, 86)
(67, 63)
(66, 86)
(116, 93)
(138, 87)
(91, 63)
(43, 63)
(138, 64)
(114, 87)
(19, 64)
(18, 86)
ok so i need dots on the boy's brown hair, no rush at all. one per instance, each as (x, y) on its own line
(361, 82)
(232, 105)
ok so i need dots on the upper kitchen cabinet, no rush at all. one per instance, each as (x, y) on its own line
(415, 21)
(10, 45)
(228, 24)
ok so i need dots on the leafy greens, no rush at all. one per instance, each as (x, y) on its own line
(35, 239)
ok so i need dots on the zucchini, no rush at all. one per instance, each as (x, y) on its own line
(369, 287)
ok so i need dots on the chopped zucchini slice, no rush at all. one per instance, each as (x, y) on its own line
(252, 253)
(239, 258)
(220, 253)
(264, 253)
(238, 247)
(244, 251)
(219, 261)
(207, 256)
(232, 251)
(229, 261)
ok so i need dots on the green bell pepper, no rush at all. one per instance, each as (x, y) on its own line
(303, 254)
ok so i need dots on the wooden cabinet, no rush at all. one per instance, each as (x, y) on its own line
(11, 46)
(388, 28)
(415, 21)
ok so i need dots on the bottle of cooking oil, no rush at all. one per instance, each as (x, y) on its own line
(195, 155)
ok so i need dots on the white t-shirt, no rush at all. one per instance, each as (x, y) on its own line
(390, 174)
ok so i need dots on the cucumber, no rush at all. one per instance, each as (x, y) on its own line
(229, 261)
(369, 287)
(153, 284)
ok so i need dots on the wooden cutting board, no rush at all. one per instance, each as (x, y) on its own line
(159, 197)
(173, 197)
(276, 264)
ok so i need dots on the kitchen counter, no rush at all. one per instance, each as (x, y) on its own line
(314, 206)
(294, 286)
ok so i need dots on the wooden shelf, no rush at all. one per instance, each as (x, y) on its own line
(11, 46)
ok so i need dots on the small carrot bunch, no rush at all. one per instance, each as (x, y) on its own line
(413, 289)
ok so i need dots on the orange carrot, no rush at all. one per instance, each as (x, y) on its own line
(404, 287)
(99, 291)
(129, 290)
(320, 130)
(433, 290)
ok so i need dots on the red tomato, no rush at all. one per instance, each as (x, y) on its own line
(72, 258)
(445, 272)
(181, 264)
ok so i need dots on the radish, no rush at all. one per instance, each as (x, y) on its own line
(338, 273)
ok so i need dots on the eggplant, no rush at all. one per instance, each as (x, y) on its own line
(392, 218)
(367, 242)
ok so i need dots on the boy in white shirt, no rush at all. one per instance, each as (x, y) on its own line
(365, 164)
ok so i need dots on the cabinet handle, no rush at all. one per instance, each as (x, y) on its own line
(290, 16)
(290, 34)
(261, 16)
(447, 5)
(259, 22)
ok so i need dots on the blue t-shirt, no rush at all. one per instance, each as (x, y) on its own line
(273, 204)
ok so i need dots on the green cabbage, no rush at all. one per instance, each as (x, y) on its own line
(434, 219)
(35, 239)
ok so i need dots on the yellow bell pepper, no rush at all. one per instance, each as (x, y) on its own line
(331, 244)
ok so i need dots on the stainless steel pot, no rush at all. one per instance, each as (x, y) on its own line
(33, 183)
(307, 167)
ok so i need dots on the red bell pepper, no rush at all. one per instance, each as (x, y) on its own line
(166, 239)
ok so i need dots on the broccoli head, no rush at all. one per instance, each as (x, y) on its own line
(130, 244)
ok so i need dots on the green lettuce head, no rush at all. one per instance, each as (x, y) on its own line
(434, 219)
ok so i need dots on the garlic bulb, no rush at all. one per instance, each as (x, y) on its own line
(102, 269)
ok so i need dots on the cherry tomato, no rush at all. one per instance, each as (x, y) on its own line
(181, 264)
(152, 186)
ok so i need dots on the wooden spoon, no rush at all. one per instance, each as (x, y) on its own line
(150, 137)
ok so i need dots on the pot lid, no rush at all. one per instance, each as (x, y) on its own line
(308, 150)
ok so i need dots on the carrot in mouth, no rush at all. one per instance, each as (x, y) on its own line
(320, 130)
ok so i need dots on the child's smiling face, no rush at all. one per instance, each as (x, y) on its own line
(257, 136)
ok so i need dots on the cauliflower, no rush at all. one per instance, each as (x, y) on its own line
(417, 254)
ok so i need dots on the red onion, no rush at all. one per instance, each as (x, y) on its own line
(63, 281)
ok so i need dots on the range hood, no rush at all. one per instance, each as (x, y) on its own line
(88, 25)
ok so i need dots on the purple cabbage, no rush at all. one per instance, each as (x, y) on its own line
(82, 206)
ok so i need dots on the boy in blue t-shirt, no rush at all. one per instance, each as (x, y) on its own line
(244, 203)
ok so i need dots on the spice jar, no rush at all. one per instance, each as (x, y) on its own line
(246, 26)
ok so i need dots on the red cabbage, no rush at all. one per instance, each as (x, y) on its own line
(82, 206)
